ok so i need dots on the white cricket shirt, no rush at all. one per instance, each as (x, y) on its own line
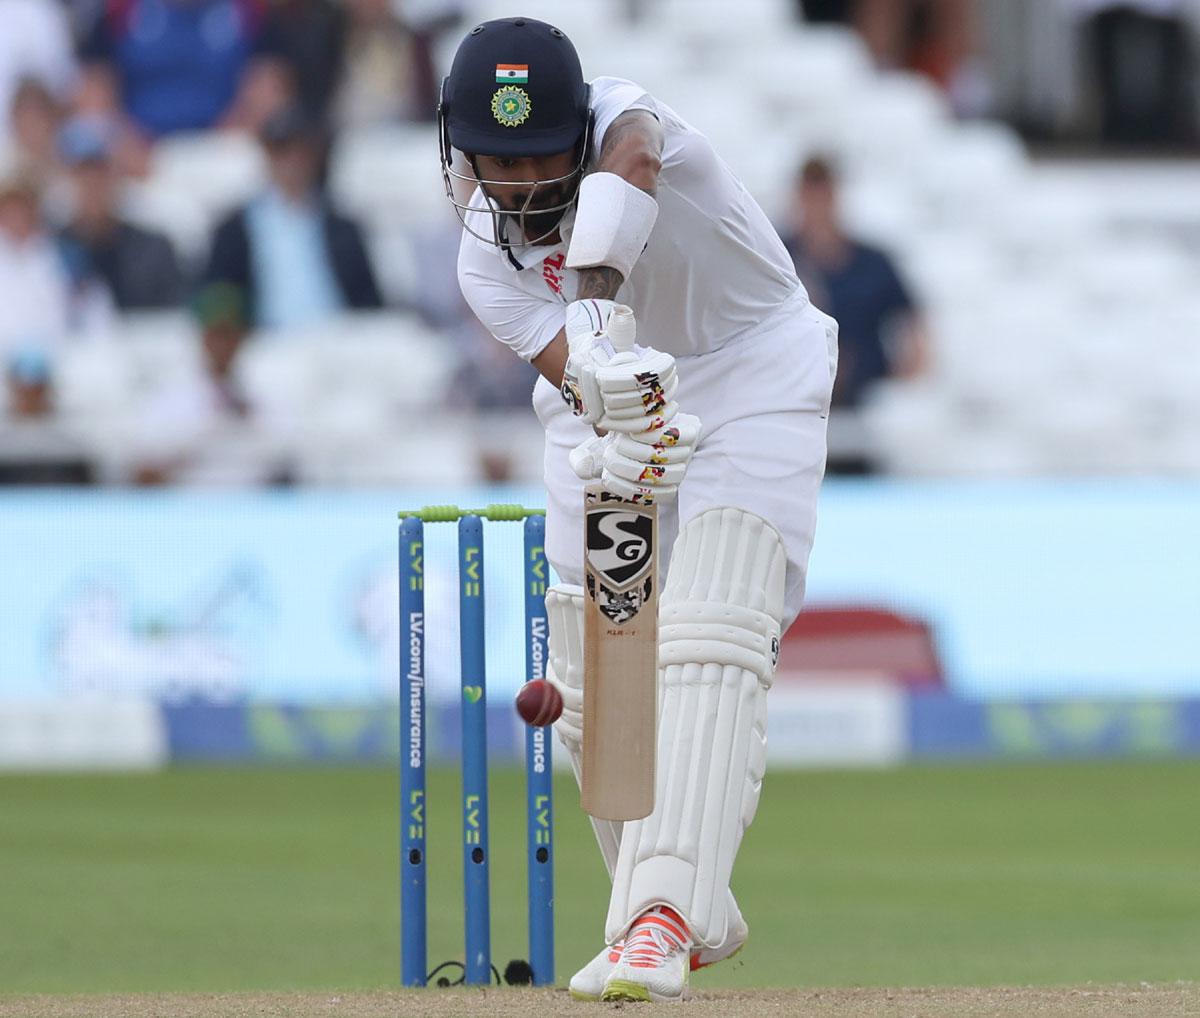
(713, 269)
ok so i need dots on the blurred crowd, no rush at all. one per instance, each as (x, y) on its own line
(1119, 72)
(89, 88)
(935, 37)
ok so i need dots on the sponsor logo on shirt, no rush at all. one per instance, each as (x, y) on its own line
(552, 266)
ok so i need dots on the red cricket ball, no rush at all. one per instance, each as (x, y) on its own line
(539, 703)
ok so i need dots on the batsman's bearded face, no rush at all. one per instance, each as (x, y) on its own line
(526, 187)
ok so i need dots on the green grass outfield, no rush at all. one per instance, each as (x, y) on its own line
(206, 880)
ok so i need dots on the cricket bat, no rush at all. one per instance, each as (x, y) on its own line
(620, 656)
(620, 645)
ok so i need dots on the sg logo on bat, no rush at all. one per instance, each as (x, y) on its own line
(620, 551)
(618, 544)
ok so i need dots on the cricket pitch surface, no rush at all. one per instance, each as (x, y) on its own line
(1171, 1000)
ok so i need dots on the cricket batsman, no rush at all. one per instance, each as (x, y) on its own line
(577, 197)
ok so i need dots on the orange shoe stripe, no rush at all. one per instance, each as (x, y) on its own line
(676, 931)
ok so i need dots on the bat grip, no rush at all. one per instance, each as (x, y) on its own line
(622, 328)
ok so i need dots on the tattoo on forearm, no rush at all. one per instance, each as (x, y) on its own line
(600, 282)
(634, 127)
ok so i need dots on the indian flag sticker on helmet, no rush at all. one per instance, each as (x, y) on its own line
(511, 106)
(512, 74)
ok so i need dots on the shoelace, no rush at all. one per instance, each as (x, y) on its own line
(654, 936)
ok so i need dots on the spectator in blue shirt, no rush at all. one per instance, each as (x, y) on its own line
(171, 65)
(297, 258)
(881, 334)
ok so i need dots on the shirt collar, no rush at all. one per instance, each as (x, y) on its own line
(275, 200)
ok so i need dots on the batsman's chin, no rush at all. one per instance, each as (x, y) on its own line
(534, 223)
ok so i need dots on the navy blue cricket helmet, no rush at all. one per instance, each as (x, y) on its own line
(515, 89)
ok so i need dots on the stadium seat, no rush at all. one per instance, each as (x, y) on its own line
(395, 359)
(895, 118)
(92, 380)
(280, 372)
(394, 258)
(161, 205)
(811, 78)
(213, 171)
(967, 172)
(643, 59)
(157, 346)
(715, 20)
(579, 20)
(388, 175)
(412, 453)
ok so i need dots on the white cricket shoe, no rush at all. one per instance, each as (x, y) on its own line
(588, 982)
(655, 959)
(702, 957)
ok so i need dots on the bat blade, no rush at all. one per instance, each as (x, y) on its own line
(620, 684)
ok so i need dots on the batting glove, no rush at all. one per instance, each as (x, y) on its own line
(630, 391)
(643, 467)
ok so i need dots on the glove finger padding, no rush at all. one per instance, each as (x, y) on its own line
(632, 492)
(643, 400)
(635, 469)
(630, 422)
(655, 475)
(637, 386)
(627, 371)
(632, 448)
(682, 433)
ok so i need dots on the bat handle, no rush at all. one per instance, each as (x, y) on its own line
(622, 328)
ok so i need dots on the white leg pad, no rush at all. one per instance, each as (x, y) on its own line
(719, 627)
(564, 614)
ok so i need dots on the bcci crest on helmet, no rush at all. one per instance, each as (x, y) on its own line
(620, 550)
(511, 106)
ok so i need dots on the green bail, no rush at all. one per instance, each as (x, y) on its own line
(499, 513)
